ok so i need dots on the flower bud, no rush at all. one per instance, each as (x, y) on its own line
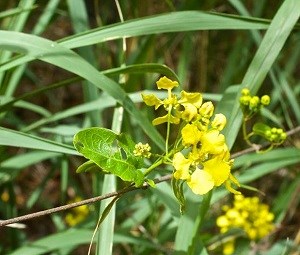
(219, 121)
(265, 100)
(254, 102)
(245, 92)
(207, 109)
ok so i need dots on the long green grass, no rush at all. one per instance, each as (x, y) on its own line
(64, 67)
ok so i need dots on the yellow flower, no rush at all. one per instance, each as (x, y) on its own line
(165, 83)
(213, 142)
(190, 112)
(190, 135)
(77, 214)
(218, 169)
(181, 165)
(200, 182)
(191, 103)
(248, 214)
(169, 103)
(142, 150)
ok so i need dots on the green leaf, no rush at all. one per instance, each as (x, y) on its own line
(10, 137)
(110, 151)
(164, 23)
(260, 129)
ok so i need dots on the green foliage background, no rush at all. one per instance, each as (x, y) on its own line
(63, 67)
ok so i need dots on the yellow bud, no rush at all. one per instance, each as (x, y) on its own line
(254, 102)
(207, 109)
(245, 92)
(265, 100)
(219, 121)
(283, 136)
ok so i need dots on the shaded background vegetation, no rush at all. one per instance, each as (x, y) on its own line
(207, 61)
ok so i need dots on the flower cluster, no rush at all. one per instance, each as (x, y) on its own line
(249, 214)
(77, 214)
(142, 150)
(252, 104)
(275, 135)
(201, 158)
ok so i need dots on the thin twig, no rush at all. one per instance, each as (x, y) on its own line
(83, 202)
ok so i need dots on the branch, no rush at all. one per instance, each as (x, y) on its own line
(83, 202)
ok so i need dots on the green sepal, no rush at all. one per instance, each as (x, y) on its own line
(111, 152)
(177, 186)
(151, 183)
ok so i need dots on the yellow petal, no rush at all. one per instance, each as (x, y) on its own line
(213, 142)
(190, 112)
(181, 165)
(165, 83)
(192, 98)
(218, 169)
(200, 182)
(164, 119)
(152, 100)
(190, 135)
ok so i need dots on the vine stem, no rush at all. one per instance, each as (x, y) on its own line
(83, 202)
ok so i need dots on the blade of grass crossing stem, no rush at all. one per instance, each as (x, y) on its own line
(190, 224)
(80, 23)
(197, 246)
(104, 242)
(273, 41)
(55, 54)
